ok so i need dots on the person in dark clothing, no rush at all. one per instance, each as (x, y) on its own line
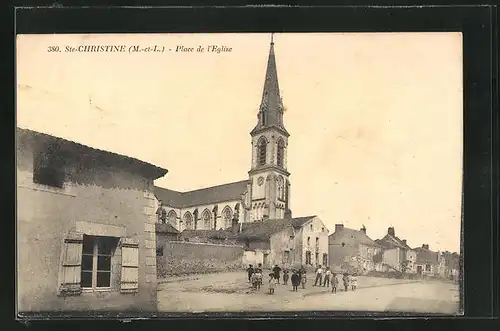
(277, 271)
(285, 277)
(295, 281)
(346, 281)
(250, 271)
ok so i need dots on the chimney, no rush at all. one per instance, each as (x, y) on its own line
(363, 229)
(288, 214)
(339, 227)
(425, 246)
(404, 241)
(391, 231)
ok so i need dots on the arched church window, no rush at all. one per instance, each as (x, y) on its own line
(262, 151)
(281, 188)
(188, 219)
(206, 217)
(281, 152)
(227, 214)
(172, 217)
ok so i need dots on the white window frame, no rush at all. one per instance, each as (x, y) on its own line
(95, 255)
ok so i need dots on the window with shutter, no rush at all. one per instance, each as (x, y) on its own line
(71, 265)
(97, 257)
(130, 266)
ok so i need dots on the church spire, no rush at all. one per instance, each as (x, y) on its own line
(271, 106)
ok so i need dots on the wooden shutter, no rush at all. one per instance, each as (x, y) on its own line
(72, 264)
(130, 266)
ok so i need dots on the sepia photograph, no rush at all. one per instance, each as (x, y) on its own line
(239, 172)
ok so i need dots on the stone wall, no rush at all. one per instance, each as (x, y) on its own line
(180, 258)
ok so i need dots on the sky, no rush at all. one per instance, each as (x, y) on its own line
(375, 118)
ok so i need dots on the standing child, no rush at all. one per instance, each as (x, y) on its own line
(250, 271)
(326, 281)
(335, 282)
(354, 282)
(285, 277)
(346, 281)
(256, 280)
(295, 280)
(303, 279)
(272, 283)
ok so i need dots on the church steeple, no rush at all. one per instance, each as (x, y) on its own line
(269, 185)
(271, 106)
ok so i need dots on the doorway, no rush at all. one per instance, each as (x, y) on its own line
(265, 260)
(419, 269)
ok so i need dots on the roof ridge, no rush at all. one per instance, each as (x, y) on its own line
(203, 188)
(81, 145)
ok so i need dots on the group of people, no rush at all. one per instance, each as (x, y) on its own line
(299, 277)
(331, 278)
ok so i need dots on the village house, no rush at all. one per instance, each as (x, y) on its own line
(287, 242)
(397, 255)
(429, 263)
(85, 227)
(353, 251)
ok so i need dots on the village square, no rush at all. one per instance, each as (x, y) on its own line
(100, 235)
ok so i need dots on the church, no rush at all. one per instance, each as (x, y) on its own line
(263, 197)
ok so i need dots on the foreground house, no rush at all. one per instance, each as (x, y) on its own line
(85, 227)
(286, 242)
(353, 251)
(397, 255)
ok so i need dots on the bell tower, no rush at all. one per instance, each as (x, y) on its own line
(269, 178)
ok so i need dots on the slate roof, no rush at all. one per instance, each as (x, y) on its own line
(165, 228)
(390, 241)
(210, 234)
(351, 237)
(426, 256)
(86, 155)
(204, 196)
(264, 230)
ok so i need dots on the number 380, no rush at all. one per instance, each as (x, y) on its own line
(53, 49)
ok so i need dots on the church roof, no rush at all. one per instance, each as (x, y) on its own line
(271, 104)
(264, 230)
(204, 196)
(351, 237)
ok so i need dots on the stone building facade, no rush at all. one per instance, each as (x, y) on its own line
(353, 251)
(85, 227)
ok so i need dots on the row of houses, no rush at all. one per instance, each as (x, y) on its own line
(305, 241)
(354, 250)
